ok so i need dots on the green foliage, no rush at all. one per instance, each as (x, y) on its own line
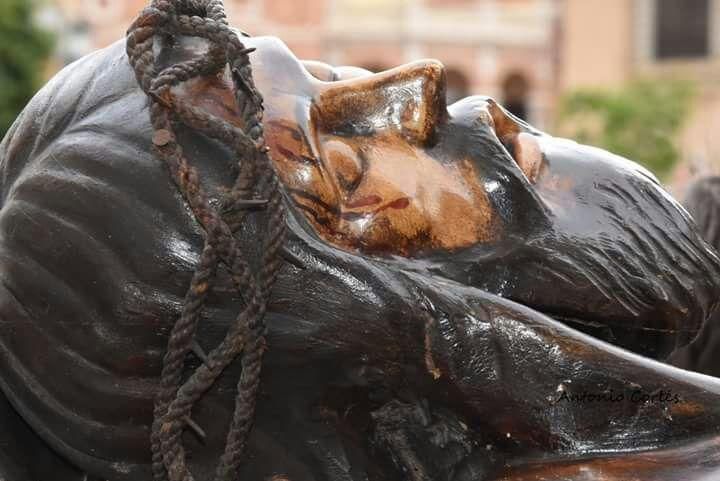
(640, 121)
(23, 51)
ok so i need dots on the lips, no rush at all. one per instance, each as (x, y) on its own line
(364, 201)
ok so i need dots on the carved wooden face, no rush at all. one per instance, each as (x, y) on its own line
(364, 158)
(378, 164)
(355, 154)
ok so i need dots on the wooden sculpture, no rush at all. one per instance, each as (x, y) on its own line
(179, 211)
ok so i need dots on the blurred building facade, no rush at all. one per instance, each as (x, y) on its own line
(85, 25)
(605, 43)
(525, 53)
(501, 48)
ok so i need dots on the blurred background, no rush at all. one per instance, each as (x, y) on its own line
(638, 77)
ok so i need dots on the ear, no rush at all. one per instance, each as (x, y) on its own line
(520, 140)
(409, 100)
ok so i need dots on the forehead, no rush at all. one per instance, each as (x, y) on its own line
(287, 87)
(277, 71)
(275, 59)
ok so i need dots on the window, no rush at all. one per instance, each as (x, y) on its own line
(457, 85)
(515, 94)
(683, 29)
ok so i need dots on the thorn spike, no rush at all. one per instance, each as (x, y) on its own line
(291, 257)
(251, 202)
(195, 427)
(199, 352)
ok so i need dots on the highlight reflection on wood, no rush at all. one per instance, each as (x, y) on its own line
(444, 264)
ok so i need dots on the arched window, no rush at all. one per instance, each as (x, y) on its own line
(457, 85)
(515, 88)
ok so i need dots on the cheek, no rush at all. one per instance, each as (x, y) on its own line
(423, 205)
(399, 229)
(405, 227)
(463, 222)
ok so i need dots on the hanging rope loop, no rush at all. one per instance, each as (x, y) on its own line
(256, 186)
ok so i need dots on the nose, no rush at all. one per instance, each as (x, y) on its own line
(409, 100)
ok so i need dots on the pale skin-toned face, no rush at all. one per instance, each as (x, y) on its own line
(383, 195)
(357, 152)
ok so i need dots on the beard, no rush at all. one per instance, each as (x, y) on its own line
(643, 279)
(624, 262)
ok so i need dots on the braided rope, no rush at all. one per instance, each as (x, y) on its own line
(246, 335)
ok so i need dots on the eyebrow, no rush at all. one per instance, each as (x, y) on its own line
(297, 158)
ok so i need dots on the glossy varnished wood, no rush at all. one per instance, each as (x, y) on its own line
(407, 340)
